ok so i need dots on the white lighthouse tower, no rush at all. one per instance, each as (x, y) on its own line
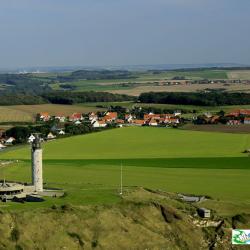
(37, 164)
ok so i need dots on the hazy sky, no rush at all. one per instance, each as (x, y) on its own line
(121, 32)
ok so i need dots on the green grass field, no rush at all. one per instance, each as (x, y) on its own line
(146, 142)
(88, 166)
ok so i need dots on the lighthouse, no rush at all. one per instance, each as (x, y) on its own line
(37, 164)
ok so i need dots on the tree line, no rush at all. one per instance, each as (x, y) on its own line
(61, 97)
(201, 99)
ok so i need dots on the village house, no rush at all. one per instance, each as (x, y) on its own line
(50, 136)
(148, 117)
(77, 122)
(153, 122)
(120, 121)
(239, 112)
(76, 117)
(31, 138)
(112, 115)
(138, 122)
(2, 146)
(174, 121)
(60, 118)
(129, 118)
(177, 113)
(233, 122)
(247, 120)
(44, 116)
(99, 124)
(10, 141)
(93, 117)
(61, 132)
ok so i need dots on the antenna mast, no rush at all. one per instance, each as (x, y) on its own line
(121, 179)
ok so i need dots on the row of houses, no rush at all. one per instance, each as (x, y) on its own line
(45, 116)
(148, 119)
(5, 142)
(239, 116)
(235, 117)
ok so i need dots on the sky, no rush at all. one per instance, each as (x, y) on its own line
(123, 32)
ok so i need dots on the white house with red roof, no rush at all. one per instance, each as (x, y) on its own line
(60, 118)
(44, 116)
(99, 124)
(247, 120)
(153, 122)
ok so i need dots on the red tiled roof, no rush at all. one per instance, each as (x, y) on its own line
(76, 116)
(113, 115)
(141, 122)
(45, 114)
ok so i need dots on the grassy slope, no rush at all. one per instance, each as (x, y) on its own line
(137, 142)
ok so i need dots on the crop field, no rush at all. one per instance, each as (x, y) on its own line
(192, 75)
(147, 81)
(137, 90)
(88, 167)
(239, 74)
(27, 113)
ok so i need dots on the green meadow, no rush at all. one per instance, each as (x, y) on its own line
(141, 142)
(87, 167)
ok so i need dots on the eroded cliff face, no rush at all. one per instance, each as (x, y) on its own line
(144, 220)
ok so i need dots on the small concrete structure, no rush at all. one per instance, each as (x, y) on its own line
(204, 213)
(191, 198)
(10, 190)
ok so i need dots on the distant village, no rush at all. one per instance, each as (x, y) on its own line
(52, 127)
